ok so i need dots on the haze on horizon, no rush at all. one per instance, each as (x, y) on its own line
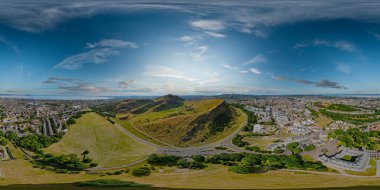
(153, 47)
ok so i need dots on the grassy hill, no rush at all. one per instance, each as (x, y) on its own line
(139, 106)
(182, 123)
(107, 145)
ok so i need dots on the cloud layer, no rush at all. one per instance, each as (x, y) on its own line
(323, 83)
(245, 16)
(99, 53)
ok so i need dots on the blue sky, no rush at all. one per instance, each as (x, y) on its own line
(189, 47)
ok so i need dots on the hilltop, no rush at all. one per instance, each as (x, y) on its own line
(173, 120)
(139, 106)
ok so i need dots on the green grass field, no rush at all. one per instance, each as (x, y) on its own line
(213, 177)
(261, 142)
(107, 145)
(369, 172)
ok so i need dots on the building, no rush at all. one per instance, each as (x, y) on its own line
(298, 130)
(258, 128)
(360, 164)
(374, 154)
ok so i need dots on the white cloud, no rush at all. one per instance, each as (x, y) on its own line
(22, 72)
(9, 44)
(215, 35)
(207, 82)
(376, 35)
(344, 46)
(341, 45)
(200, 53)
(99, 53)
(186, 38)
(168, 72)
(245, 71)
(112, 43)
(97, 56)
(211, 74)
(246, 16)
(37, 16)
(213, 25)
(343, 68)
(73, 85)
(189, 40)
(254, 70)
(227, 66)
(226, 89)
(257, 59)
(126, 84)
(323, 83)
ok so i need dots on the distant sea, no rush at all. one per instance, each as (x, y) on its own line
(354, 95)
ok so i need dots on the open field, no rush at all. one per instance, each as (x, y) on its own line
(261, 142)
(217, 176)
(107, 145)
(323, 121)
(75, 187)
(369, 172)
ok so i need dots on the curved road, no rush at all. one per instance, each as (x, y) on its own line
(208, 149)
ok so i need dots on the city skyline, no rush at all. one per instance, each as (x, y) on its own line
(115, 48)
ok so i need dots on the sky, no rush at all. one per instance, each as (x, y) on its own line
(147, 47)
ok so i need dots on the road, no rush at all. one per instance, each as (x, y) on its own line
(377, 168)
(208, 149)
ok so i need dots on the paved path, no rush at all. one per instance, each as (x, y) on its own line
(208, 149)
(377, 168)
(117, 167)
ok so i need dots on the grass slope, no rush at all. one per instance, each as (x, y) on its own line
(214, 177)
(172, 125)
(107, 145)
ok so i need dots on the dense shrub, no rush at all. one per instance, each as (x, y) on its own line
(163, 160)
(238, 141)
(142, 171)
(109, 183)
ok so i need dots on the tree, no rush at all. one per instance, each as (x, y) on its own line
(309, 147)
(238, 141)
(142, 171)
(183, 163)
(85, 153)
(198, 158)
(3, 141)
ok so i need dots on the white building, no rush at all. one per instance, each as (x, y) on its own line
(258, 128)
(361, 162)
